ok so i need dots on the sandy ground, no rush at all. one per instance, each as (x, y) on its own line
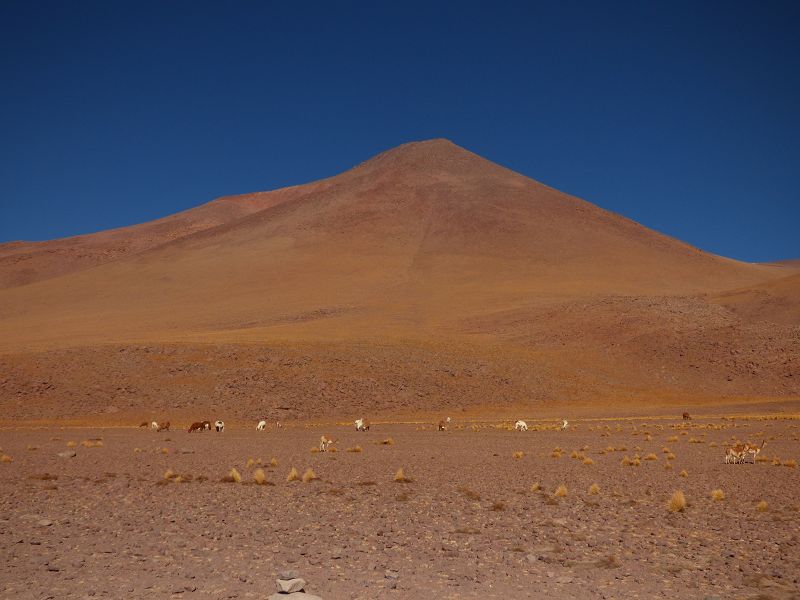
(105, 523)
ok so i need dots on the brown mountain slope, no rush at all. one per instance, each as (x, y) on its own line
(424, 276)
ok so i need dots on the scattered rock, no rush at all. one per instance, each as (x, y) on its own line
(290, 585)
(68, 454)
(44, 522)
(186, 451)
(288, 574)
(294, 596)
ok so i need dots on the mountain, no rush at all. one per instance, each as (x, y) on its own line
(420, 279)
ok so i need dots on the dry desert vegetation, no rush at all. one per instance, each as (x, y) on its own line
(422, 284)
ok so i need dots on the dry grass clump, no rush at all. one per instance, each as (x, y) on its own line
(625, 462)
(250, 463)
(314, 450)
(609, 448)
(309, 475)
(30, 448)
(651, 456)
(400, 477)
(594, 489)
(536, 487)
(232, 477)
(260, 477)
(387, 442)
(588, 461)
(518, 454)
(712, 445)
(717, 495)
(792, 463)
(355, 449)
(498, 506)
(293, 475)
(273, 462)
(169, 474)
(137, 450)
(762, 459)
(762, 506)
(670, 456)
(44, 477)
(71, 444)
(683, 473)
(6, 458)
(673, 438)
(666, 450)
(468, 493)
(684, 433)
(668, 466)
(574, 454)
(677, 503)
(555, 454)
(776, 462)
(561, 491)
(92, 443)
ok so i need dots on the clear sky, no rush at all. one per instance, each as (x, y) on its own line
(684, 116)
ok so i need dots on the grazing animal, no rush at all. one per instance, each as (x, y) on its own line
(196, 426)
(278, 424)
(443, 424)
(735, 454)
(362, 424)
(153, 425)
(686, 416)
(521, 426)
(219, 426)
(754, 450)
(564, 425)
(145, 424)
(262, 425)
(163, 427)
(325, 443)
(207, 425)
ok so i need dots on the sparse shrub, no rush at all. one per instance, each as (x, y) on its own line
(762, 506)
(683, 473)
(232, 477)
(6, 458)
(387, 442)
(561, 491)
(594, 489)
(354, 449)
(792, 463)
(259, 477)
(651, 456)
(588, 461)
(518, 454)
(717, 495)
(498, 506)
(468, 493)
(293, 475)
(677, 503)
(400, 477)
(309, 475)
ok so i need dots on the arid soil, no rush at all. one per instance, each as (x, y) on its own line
(468, 524)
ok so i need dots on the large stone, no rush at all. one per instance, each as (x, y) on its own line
(68, 454)
(288, 586)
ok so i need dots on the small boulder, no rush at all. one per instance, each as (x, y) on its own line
(288, 574)
(287, 586)
(294, 596)
(68, 454)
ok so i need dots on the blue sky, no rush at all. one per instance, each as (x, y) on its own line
(682, 115)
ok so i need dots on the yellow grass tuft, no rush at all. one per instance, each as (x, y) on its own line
(71, 444)
(309, 475)
(536, 487)
(165, 451)
(594, 489)
(293, 475)
(6, 458)
(387, 442)
(169, 474)
(651, 456)
(776, 462)
(400, 477)
(561, 491)
(555, 454)
(665, 450)
(683, 473)
(354, 449)
(588, 461)
(636, 462)
(717, 495)
(314, 450)
(259, 477)
(625, 462)
(250, 463)
(273, 462)
(670, 456)
(137, 450)
(762, 506)
(790, 463)
(677, 503)
(518, 454)
(92, 443)
(574, 454)
(232, 477)
(668, 466)
(673, 438)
